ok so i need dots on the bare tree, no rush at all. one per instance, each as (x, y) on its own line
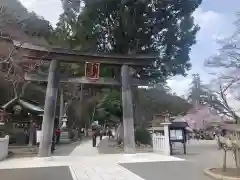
(217, 98)
(226, 62)
(228, 56)
(16, 23)
(226, 66)
(13, 66)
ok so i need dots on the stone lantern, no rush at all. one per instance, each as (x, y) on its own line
(64, 121)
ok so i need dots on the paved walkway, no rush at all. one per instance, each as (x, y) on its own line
(85, 163)
(67, 149)
(85, 149)
(81, 161)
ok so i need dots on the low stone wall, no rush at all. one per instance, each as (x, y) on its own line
(220, 175)
(4, 147)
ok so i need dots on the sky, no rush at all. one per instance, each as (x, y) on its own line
(215, 18)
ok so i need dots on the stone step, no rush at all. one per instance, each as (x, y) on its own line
(64, 138)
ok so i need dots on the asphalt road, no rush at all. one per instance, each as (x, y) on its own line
(178, 170)
(200, 155)
(43, 173)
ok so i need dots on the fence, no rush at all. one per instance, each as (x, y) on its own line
(4, 147)
(158, 141)
(161, 142)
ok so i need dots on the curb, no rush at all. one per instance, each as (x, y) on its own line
(208, 172)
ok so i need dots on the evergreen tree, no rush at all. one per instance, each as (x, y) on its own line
(165, 28)
(13, 14)
(197, 92)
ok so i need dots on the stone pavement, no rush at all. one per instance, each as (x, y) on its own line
(85, 149)
(99, 167)
(84, 163)
(81, 161)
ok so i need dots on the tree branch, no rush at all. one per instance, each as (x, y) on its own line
(224, 99)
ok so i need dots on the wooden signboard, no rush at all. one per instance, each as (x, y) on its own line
(176, 134)
(92, 70)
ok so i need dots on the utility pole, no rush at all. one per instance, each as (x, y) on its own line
(127, 105)
(49, 110)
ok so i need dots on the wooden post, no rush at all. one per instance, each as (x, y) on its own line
(224, 160)
(32, 132)
(61, 112)
(49, 110)
(128, 123)
(81, 101)
(184, 142)
(236, 159)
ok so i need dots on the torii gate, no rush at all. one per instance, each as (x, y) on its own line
(55, 55)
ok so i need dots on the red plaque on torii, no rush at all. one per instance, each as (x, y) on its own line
(92, 70)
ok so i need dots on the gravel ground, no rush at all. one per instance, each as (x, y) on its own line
(106, 147)
(200, 155)
(65, 149)
(205, 154)
(178, 170)
(62, 149)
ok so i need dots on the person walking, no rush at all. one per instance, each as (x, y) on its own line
(94, 135)
(110, 134)
(58, 135)
(53, 143)
(26, 133)
(101, 133)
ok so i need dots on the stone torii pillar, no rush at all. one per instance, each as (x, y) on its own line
(61, 110)
(49, 110)
(127, 106)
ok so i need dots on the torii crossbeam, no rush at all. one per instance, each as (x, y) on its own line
(55, 55)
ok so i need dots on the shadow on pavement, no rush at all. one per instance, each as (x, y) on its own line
(172, 170)
(65, 149)
(106, 146)
(43, 173)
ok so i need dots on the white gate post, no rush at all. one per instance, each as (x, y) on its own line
(167, 138)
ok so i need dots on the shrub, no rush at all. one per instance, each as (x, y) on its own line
(143, 136)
